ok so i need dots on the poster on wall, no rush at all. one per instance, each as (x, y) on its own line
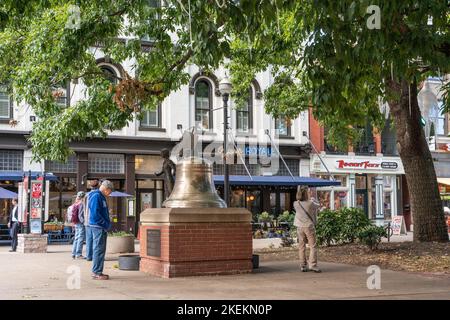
(146, 201)
(36, 226)
(36, 206)
(130, 207)
(398, 225)
(21, 205)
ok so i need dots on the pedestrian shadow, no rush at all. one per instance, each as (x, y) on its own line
(266, 269)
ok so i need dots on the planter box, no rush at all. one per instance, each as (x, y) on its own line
(123, 244)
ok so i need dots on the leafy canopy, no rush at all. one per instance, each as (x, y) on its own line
(321, 54)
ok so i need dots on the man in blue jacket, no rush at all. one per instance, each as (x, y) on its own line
(99, 223)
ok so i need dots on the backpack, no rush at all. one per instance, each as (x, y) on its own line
(74, 214)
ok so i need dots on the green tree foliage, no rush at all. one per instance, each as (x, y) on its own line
(322, 54)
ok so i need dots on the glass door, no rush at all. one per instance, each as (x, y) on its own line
(361, 193)
(146, 199)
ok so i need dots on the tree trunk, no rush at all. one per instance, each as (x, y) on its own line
(426, 204)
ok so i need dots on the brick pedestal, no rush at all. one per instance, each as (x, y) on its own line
(178, 242)
(31, 243)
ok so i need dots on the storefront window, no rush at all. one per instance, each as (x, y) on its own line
(253, 200)
(285, 201)
(338, 177)
(11, 160)
(273, 202)
(323, 197)
(340, 199)
(361, 201)
(5, 204)
(237, 198)
(62, 195)
(146, 184)
(387, 205)
(146, 164)
(70, 166)
(106, 163)
(387, 181)
(361, 182)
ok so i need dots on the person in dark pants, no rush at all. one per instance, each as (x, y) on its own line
(89, 250)
(13, 225)
(99, 224)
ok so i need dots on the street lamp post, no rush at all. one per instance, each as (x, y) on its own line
(225, 90)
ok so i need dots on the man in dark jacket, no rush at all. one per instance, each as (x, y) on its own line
(99, 223)
(13, 225)
(89, 246)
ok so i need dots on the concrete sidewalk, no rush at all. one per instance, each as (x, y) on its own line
(45, 276)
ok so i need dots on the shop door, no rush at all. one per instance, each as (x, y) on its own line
(361, 193)
(361, 201)
(146, 199)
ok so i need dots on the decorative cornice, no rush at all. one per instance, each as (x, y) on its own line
(211, 76)
(257, 87)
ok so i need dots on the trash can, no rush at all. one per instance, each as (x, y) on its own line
(255, 260)
(129, 262)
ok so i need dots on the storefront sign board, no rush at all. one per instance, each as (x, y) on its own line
(398, 225)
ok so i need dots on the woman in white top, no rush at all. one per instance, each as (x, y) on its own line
(306, 210)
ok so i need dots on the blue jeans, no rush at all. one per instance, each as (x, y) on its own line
(77, 248)
(99, 245)
(13, 233)
(88, 243)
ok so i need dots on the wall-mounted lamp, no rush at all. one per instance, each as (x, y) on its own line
(32, 118)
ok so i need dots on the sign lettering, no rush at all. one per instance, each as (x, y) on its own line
(369, 165)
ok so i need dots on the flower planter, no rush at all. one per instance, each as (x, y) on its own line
(123, 244)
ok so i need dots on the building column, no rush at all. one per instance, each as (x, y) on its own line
(130, 185)
(379, 194)
(352, 190)
(82, 171)
(394, 197)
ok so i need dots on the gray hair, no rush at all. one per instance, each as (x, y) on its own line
(108, 184)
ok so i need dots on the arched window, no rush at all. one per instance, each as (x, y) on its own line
(109, 73)
(203, 105)
(244, 115)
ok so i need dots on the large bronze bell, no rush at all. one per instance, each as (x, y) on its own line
(194, 186)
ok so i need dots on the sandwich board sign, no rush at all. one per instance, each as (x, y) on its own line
(398, 225)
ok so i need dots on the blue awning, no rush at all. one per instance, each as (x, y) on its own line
(18, 175)
(6, 194)
(276, 181)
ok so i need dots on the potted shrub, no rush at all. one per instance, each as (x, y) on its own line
(265, 218)
(120, 242)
